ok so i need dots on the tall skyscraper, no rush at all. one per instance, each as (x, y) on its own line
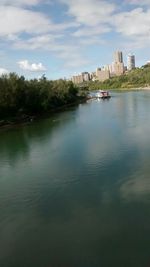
(118, 57)
(130, 62)
(118, 66)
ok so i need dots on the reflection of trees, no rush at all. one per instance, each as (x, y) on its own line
(13, 144)
(16, 142)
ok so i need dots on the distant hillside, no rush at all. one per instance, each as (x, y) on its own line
(140, 77)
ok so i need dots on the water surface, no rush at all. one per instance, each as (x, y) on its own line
(75, 188)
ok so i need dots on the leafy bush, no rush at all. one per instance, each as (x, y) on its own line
(18, 95)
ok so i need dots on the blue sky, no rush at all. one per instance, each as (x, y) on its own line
(60, 38)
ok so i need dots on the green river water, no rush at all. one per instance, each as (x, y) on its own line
(75, 188)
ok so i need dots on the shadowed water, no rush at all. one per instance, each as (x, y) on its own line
(75, 188)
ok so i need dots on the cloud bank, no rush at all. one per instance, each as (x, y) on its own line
(76, 27)
(35, 67)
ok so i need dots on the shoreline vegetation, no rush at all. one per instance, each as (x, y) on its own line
(22, 101)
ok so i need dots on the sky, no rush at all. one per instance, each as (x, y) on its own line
(60, 38)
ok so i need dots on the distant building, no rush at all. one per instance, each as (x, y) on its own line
(118, 68)
(106, 67)
(130, 62)
(102, 75)
(97, 71)
(77, 79)
(109, 68)
(80, 78)
(86, 76)
(118, 57)
(93, 76)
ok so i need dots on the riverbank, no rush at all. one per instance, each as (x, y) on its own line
(130, 89)
(26, 118)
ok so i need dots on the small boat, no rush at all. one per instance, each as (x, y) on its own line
(102, 94)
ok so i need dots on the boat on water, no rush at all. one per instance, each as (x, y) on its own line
(102, 94)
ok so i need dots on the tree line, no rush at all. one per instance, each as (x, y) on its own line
(20, 96)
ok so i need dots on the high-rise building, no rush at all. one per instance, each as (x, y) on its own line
(118, 57)
(130, 62)
(109, 68)
(118, 66)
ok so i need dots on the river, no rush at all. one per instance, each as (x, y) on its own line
(75, 188)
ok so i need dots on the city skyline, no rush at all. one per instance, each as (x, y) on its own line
(63, 37)
(115, 68)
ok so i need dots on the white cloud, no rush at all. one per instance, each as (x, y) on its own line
(139, 2)
(88, 41)
(91, 31)
(85, 24)
(43, 34)
(99, 16)
(15, 20)
(3, 71)
(133, 23)
(20, 2)
(90, 19)
(73, 57)
(44, 41)
(35, 67)
(70, 53)
(89, 12)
